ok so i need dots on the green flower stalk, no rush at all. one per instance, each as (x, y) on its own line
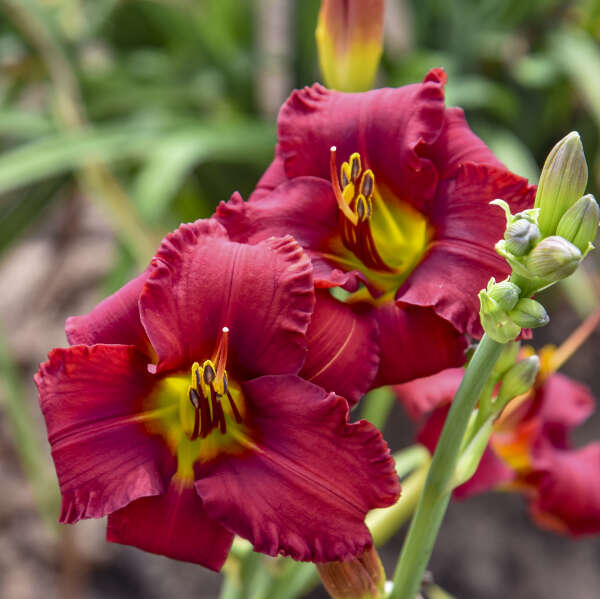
(562, 182)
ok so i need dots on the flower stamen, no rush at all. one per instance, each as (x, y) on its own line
(209, 387)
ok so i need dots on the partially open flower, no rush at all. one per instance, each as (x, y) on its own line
(179, 413)
(388, 192)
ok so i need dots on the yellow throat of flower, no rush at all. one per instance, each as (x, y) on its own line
(382, 236)
(202, 413)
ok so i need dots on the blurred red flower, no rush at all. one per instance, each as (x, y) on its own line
(529, 450)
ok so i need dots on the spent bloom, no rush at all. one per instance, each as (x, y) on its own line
(529, 449)
(178, 411)
(388, 192)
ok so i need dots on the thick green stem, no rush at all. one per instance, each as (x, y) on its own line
(436, 495)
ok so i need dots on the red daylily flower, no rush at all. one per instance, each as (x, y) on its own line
(529, 450)
(179, 413)
(388, 192)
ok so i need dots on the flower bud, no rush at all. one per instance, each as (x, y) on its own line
(349, 40)
(529, 314)
(562, 182)
(505, 294)
(495, 321)
(520, 236)
(553, 259)
(359, 578)
(507, 358)
(518, 380)
(471, 455)
(579, 224)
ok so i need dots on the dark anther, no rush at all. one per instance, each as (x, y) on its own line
(195, 399)
(344, 179)
(355, 169)
(198, 385)
(209, 374)
(360, 208)
(367, 185)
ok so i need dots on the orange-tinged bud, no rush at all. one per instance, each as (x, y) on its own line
(359, 578)
(349, 40)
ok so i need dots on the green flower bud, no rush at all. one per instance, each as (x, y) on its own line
(529, 314)
(562, 181)
(495, 321)
(471, 455)
(521, 236)
(518, 380)
(505, 294)
(507, 358)
(579, 224)
(553, 259)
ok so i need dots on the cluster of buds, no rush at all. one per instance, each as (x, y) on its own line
(542, 245)
(504, 312)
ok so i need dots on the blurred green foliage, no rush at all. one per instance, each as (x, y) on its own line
(161, 96)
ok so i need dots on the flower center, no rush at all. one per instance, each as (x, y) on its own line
(382, 236)
(210, 396)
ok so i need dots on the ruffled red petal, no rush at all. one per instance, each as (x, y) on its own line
(457, 144)
(567, 497)
(389, 127)
(91, 399)
(343, 349)
(304, 208)
(310, 478)
(423, 395)
(115, 320)
(415, 342)
(201, 282)
(461, 259)
(174, 524)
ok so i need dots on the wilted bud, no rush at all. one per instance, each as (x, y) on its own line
(495, 321)
(360, 578)
(579, 224)
(349, 40)
(553, 259)
(529, 314)
(562, 182)
(505, 294)
(521, 236)
(518, 380)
